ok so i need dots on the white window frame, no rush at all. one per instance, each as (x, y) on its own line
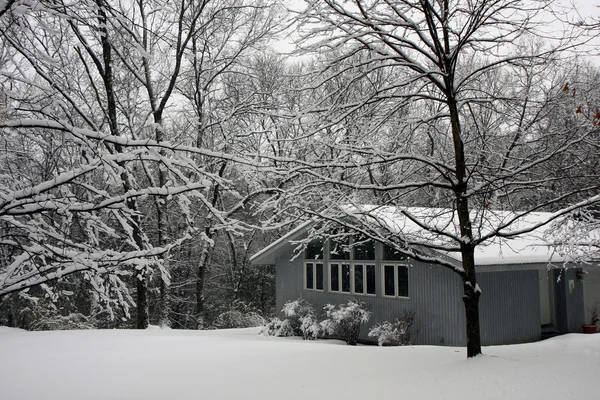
(314, 273)
(364, 269)
(352, 265)
(339, 263)
(396, 286)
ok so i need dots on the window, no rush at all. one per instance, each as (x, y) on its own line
(339, 277)
(335, 278)
(346, 278)
(352, 278)
(391, 254)
(339, 249)
(395, 280)
(314, 250)
(313, 276)
(364, 250)
(352, 266)
(364, 279)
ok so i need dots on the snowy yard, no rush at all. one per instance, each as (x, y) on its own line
(239, 364)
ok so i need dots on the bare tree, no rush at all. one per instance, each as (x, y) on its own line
(94, 86)
(453, 105)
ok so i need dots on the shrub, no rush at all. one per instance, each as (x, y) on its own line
(238, 319)
(51, 320)
(301, 317)
(400, 332)
(277, 327)
(310, 327)
(344, 321)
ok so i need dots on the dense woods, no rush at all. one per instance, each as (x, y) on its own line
(148, 147)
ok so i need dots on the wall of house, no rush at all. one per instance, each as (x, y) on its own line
(591, 290)
(509, 311)
(569, 300)
(289, 279)
(509, 307)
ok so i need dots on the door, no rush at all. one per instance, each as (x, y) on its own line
(546, 297)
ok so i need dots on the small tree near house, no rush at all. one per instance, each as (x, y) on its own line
(344, 320)
(302, 319)
(399, 332)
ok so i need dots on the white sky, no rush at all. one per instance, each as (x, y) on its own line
(587, 8)
(581, 9)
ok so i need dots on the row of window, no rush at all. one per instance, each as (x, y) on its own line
(359, 250)
(357, 278)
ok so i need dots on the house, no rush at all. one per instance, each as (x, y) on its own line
(527, 286)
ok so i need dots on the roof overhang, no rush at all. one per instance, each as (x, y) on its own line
(528, 251)
(269, 254)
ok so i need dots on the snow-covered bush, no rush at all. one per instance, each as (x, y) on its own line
(277, 327)
(302, 319)
(238, 319)
(344, 320)
(310, 327)
(399, 332)
(47, 320)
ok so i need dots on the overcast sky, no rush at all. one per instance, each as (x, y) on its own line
(580, 9)
(587, 8)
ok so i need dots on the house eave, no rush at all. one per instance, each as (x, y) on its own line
(269, 254)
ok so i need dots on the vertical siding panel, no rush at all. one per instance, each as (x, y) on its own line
(509, 305)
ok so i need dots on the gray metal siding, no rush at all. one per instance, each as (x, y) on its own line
(569, 304)
(434, 295)
(288, 279)
(509, 307)
(591, 291)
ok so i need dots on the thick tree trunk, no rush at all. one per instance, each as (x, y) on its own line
(204, 256)
(161, 202)
(470, 287)
(164, 317)
(200, 320)
(143, 319)
(471, 300)
(471, 295)
(162, 226)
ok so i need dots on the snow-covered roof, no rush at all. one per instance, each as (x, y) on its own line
(512, 237)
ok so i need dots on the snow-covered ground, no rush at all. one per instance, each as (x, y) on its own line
(239, 364)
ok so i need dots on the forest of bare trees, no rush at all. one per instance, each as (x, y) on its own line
(148, 147)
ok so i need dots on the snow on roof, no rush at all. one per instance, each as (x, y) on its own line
(514, 238)
(420, 224)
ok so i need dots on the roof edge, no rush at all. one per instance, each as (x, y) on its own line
(266, 255)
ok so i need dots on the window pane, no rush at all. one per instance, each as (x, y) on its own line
(339, 249)
(334, 276)
(346, 278)
(358, 279)
(388, 278)
(319, 273)
(371, 279)
(391, 254)
(314, 250)
(402, 280)
(364, 251)
(309, 276)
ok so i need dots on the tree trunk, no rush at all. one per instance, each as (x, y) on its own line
(164, 318)
(471, 295)
(143, 319)
(470, 287)
(204, 256)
